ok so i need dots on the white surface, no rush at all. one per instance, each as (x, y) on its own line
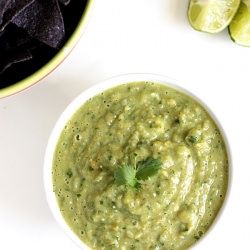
(124, 36)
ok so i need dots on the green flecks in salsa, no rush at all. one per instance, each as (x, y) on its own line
(171, 210)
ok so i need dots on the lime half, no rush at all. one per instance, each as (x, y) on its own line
(239, 28)
(211, 16)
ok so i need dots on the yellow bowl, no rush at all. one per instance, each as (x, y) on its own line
(55, 61)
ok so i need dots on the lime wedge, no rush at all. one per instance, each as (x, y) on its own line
(211, 16)
(239, 28)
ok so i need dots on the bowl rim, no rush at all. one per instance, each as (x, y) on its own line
(60, 56)
(77, 102)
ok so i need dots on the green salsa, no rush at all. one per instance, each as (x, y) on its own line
(173, 209)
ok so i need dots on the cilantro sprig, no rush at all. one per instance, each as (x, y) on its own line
(133, 175)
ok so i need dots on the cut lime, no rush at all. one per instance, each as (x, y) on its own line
(239, 28)
(211, 16)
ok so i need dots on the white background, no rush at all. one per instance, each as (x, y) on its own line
(125, 36)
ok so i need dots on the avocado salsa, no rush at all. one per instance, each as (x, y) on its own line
(124, 125)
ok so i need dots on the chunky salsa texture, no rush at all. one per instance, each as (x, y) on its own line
(132, 122)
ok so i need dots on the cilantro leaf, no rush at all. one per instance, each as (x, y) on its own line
(132, 175)
(125, 175)
(148, 168)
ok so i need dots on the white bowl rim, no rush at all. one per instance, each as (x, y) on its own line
(79, 101)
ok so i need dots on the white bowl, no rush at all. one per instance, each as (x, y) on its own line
(76, 104)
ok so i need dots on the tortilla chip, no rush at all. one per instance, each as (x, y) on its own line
(11, 9)
(14, 41)
(38, 22)
(64, 2)
(3, 4)
(17, 57)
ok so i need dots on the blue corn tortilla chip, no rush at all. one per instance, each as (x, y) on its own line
(3, 4)
(64, 2)
(11, 9)
(17, 57)
(14, 41)
(40, 24)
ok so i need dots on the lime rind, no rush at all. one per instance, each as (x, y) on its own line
(211, 16)
(239, 28)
